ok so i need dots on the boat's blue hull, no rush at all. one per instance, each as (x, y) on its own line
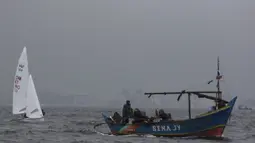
(207, 125)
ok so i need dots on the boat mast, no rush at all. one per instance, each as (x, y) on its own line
(218, 77)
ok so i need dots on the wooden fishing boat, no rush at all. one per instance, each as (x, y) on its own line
(209, 124)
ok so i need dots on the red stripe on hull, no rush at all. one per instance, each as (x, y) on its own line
(216, 132)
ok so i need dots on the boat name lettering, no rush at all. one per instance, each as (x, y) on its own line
(159, 128)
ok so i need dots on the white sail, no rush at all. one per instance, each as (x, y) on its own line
(20, 84)
(33, 109)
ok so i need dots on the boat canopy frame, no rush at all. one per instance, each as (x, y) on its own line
(199, 94)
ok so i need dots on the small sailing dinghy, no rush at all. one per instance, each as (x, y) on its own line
(25, 100)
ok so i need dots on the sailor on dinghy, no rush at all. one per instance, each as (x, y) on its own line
(25, 115)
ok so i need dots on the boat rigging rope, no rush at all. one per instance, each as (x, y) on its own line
(97, 131)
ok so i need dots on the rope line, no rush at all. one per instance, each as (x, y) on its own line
(98, 125)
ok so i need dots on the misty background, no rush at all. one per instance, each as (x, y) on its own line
(102, 52)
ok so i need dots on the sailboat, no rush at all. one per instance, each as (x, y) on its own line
(25, 99)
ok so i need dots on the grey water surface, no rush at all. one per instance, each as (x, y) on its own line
(75, 125)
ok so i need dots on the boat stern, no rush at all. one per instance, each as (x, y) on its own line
(109, 121)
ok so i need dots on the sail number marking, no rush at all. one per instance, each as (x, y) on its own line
(17, 86)
(21, 67)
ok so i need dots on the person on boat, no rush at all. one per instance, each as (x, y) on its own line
(127, 112)
(25, 116)
(221, 104)
(43, 112)
(139, 116)
(164, 116)
(116, 117)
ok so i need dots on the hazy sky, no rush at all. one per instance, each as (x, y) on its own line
(99, 47)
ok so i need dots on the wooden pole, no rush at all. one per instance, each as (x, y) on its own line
(218, 95)
(189, 106)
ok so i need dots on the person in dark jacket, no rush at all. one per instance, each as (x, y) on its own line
(127, 112)
(163, 115)
(25, 116)
(139, 116)
(43, 112)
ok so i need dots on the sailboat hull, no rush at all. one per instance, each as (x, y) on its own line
(206, 125)
(33, 119)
